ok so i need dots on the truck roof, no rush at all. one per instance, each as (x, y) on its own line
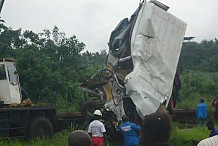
(7, 59)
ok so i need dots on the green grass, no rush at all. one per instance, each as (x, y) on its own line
(188, 136)
(59, 139)
(179, 137)
(182, 135)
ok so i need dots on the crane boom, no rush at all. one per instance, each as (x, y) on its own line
(1, 4)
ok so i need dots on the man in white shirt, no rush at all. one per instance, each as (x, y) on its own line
(211, 141)
(97, 130)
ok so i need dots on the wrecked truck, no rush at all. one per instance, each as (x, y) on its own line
(141, 64)
(19, 117)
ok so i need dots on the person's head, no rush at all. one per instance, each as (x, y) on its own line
(125, 118)
(97, 114)
(156, 128)
(79, 138)
(210, 125)
(202, 100)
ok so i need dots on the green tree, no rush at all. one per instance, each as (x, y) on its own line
(9, 40)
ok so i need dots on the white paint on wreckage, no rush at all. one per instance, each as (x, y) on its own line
(156, 44)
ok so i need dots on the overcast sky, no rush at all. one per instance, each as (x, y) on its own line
(93, 20)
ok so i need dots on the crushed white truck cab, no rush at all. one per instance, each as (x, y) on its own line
(142, 62)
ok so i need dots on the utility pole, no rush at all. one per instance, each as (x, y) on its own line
(1, 4)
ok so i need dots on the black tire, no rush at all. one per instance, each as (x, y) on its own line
(40, 127)
(89, 107)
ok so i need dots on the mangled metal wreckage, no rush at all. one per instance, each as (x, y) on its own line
(142, 62)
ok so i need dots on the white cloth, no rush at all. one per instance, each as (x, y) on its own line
(96, 128)
(211, 141)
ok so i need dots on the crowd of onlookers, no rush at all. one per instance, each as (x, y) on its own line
(202, 116)
(154, 131)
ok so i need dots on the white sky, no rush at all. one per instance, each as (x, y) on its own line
(92, 21)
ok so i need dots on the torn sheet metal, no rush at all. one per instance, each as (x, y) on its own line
(142, 61)
(156, 44)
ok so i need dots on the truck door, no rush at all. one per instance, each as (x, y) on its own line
(4, 91)
(9, 84)
(14, 85)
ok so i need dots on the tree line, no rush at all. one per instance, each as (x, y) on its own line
(52, 66)
(198, 65)
(201, 56)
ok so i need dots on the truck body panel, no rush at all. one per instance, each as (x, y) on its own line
(16, 121)
(156, 44)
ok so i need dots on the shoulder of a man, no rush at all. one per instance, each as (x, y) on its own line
(124, 124)
(134, 126)
(201, 105)
(216, 131)
(211, 141)
(95, 122)
(99, 122)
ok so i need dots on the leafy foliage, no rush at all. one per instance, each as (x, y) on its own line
(185, 137)
(200, 56)
(198, 65)
(51, 66)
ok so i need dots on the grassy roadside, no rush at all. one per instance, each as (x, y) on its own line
(179, 137)
(188, 136)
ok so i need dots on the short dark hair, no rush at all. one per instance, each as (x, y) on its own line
(79, 138)
(125, 118)
(202, 100)
(210, 125)
(156, 128)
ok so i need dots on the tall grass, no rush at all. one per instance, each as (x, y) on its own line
(188, 136)
(191, 103)
(179, 137)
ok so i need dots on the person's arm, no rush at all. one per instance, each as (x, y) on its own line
(116, 125)
(103, 130)
(213, 103)
(137, 128)
(90, 134)
(105, 136)
(205, 111)
(89, 131)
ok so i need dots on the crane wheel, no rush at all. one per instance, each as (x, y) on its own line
(40, 127)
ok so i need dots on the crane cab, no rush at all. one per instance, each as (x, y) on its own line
(10, 91)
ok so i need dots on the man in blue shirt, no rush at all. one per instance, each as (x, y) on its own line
(201, 113)
(210, 126)
(129, 131)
